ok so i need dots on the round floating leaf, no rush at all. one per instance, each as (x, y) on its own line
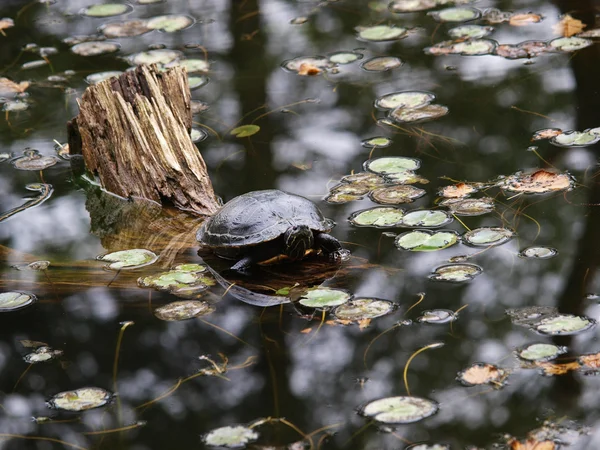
(198, 135)
(15, 106)
(357, 189)
(106, 10)
(459, 190)
(399, 410)
(407, 6)
(197, 81)
(344, 57)
(470, 32)
(176, 279)
(95, 48)
(462, 14)
(96, 78)
(183, 310)
(324, 298)
(41, 354)
(475, 47)
(540, 352)
(245, 130)
(407, 177)
(80, 399)
(34, 161)
(363, 309)
(538, 182)
(422, 114)
(170, 23)
(377, 142)
(528, 49)
(381, 64)
(426, 218)
(196, 268)
(569, 44)
(456, 273)
(13, 301)
(437, 316)
(366, 178)
(426, 241)
(191, 65)
(128, 28)
(397, 194)
(391, 164)
(563, 324)
(236, 436)
(539, 252)
(159, 56)
(295, 65)
(482, 373)
(381, 217)
(129, 259)
(338, 198)
(380, 33)
(408, 99)
(575, 139)
(428, 447)
(487, 236)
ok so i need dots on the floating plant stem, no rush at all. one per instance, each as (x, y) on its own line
(421, 297)
(226, 332)
(161, 396)
(461, 222)
(318, 328)
(41, 438)
(114, 430)
(396, 325)
(45, 191)
(21, 377)
(116, 366)
(405, 374)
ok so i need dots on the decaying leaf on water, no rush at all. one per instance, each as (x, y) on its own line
(459, 190)
(591, 361)
(550, 369)
(6, 22)
(537, 182)
(531, 444)
(9, 88)
(546, 133)
(519, 20)
(568, 26)
(482, 373)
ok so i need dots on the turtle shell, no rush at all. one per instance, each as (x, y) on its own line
(258, 217)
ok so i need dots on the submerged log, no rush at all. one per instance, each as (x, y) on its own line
(133, 134)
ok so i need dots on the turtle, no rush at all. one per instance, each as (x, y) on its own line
(260, 225)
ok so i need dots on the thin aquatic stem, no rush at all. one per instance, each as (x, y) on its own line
(405, 374)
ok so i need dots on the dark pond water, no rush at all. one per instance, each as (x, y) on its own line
(283, 363)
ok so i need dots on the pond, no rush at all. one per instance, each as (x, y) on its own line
(453, 143)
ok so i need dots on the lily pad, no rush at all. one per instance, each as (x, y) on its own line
(426, 241)
(540, 352)
(197, 81)
(537, 182)
(408, 99)
(428, 447)
(245, 130)
(15, 106)
(399, 410)
(159, 56)
(129, 259)
(106, 10)
(170, 23)
(377, 142)
(539, 252)
(183, 310)
(360, 309)
(421, 114)
(461, 14)
(381, 64)
(546, 133)
(324, 297)
(391, 164)
(408, 6)
(366, 178)
(354, 189)
(474, 47)
(177, 279)
(488, 236)
(575, 139)
(15, 300)
(344, 57)
(42, 354)
(95, 48)
(236, 436)
(482, 373)
(397, 194)
(459, 190)
(380, 217)
(470, 32)
(437, 316)
(127, 28)
(564, 324)
(456, 273)
(96, 78)
(426, 218)
(381, 33)
(406, 177)
(80, 399)
(33, 160)
(191, 65)
(295, 65)
(569, 44)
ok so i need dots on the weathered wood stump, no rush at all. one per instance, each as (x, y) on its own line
(133, 134)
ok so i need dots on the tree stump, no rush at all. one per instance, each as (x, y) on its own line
(133, 133)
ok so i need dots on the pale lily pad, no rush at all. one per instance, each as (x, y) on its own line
(381, 64)
(564, 324)
(197, 81)
(159, 56)
(129, 259)
(377, 142)
(324, 297)
(13, 301)
(15, 106)
(428, 447)
(408, 6)
(355, 189)
(366, 178)
(245, 130)
(540, 352)
(380, 33)
(192, 65)
(470, 32)
(397, 194)
(338, 198)
(344, 57)
(456, 273)
(421, 114)
(539, 252)
(381, 217)
(474, 47)
(176, 279)
(296, 64)
(437, 316)
(399, 410)
(190, 267)
(461, 14)
(407, 177)
(96, 78)
(95, 48)
(33, 160)
(42, 354)
(426, 218)
(482, 373)
(106, 10)
(569, 44)
(35, 266)
(183, 310)
(170, 23)
(469, 206)
(575, 139)
(128, 28)
(488, 236)
(34, 64)
(426, 241)
(198, 135)
(360, 309)
(236, 436)
(80, 399)
(391, 164)
(408, 99)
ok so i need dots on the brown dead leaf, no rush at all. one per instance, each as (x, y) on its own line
(9, 87)
(364, 323)
(557, 368)
(459, 190)
(481, 373)
(538, 182)
(568, 26)
(32, 344)
(519, 20)
(531, 444)
(6, 22)
(546, 133)
(308, 69)
(306, 330)
(590, 361)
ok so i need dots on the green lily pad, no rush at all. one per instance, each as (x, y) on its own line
(174, 279)
(474, 47)
(456, 273)
(380, 33)
(197, 81)
(191, 65)
(391, 164)
(106, 10)
(426, 241)
(421, 114)
(426, 218)
(575, 139)
(128, 28)
(95, 48)
(183, 310)
(564, 324)
(14, 300)
(344, 57)
(377, 142)
(461, 14)
(540, 352)
(245, 130)
(380, 217)
(488, 236)
(381, 64)
(159, 56)
(397, 194)
(469, 206)
(96, 78)
(324, 298)
(196, 268)
(399, 410)
(407, 99)
(363, 308)
(170, 23)
(437, 316)
(539, 252)
(470, 32)
(569, 44)
(236, 436)
(80, 399)
(129, 259)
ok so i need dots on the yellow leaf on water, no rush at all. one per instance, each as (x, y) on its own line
(531, 444)
(519, 20)
(568, 26)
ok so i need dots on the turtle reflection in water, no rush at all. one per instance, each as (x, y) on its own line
(261, 225)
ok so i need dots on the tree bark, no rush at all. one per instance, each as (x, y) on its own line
(133, 133)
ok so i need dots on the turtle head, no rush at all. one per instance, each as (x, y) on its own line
(296, 240)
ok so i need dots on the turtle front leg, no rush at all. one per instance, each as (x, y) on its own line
(327, 243)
